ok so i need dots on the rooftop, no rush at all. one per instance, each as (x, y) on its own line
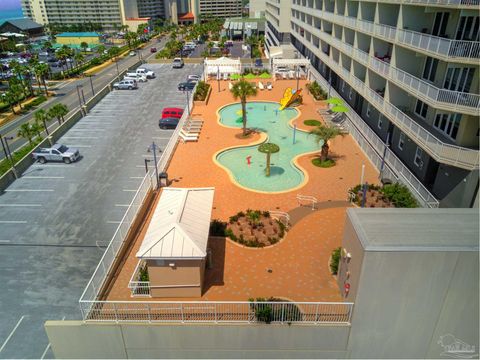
(417, 229)
(23, 24)
(78, 34)
(179, 226)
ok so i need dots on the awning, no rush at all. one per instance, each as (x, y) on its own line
(223, 65)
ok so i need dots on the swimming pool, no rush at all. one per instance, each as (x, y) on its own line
(265, 117)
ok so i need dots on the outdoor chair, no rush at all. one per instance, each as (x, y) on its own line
(261, 86)
(225, 76)
(269, 86)
(230, 86)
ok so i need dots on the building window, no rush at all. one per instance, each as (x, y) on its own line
(421, 109)
(401, 141)
(380, 121)
(430, 69)
(350, 94)
(368, 110)
(459, 79)
(418, 157)
(343, 85)
(448, 124)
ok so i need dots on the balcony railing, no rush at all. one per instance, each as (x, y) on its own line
(447, 48)
(442, 152)
(312, 313)
(440, 98)
(139, 288)
(456, 3)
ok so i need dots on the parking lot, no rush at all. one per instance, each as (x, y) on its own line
(57, 218)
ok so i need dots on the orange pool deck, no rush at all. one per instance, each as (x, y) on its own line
(295, 268)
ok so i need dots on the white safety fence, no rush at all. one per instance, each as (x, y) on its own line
(279, 312)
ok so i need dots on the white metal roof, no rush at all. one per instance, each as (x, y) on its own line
(223, 65)
(304, 62)
(180, 225)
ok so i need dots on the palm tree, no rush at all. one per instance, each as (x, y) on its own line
(242, 90)
(36, 129)
(210, 46)
(79, 58)
(325, 134)
(26, 132)
(62, 110)
(9, 98)
(84, 46)
(41, 72)
(41, 118)
(100, 49)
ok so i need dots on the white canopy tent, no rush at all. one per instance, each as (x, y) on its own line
(222, 66)
(298, 66)
(179, 226)
(10, 34)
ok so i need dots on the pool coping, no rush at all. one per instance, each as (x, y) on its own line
(263, 138)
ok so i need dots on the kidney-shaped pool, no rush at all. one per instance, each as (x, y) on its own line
(265, 117)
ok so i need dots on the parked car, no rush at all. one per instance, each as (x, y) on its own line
(125, 85)
(258, 63)
(136, 77)
(132, 53)
(43, 53)
(195, 78)
(189, 85)
(177, 63)
(168, 123)
(149, 74)
(57, 152)
(153, 50)
(172, 113)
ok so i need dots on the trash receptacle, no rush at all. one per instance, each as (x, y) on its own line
(163, 179)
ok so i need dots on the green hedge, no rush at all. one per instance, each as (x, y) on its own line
(335, 260)
(317, 92)
(5, 164)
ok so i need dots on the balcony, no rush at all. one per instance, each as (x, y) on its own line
(463, 4)
(439, 98)
(446, 49)
(442, 152)
(139, 288)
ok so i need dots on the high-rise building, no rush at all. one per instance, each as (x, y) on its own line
(410, 72)
(257, 8)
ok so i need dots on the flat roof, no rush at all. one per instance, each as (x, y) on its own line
(416, 229)
(23, 24)
(78, 34)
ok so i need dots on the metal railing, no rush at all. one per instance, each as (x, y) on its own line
(137, 287)
(280, 216)
(442, 152)
(313, 313)
(447, 48)
(311, 199)
(440, 98)
(434, 2)
(374, 147)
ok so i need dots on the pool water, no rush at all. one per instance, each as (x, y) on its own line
(265, 117)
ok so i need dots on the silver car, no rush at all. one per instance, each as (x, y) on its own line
(125, 85)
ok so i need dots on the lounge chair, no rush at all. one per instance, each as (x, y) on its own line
(187, 137)
(261, 86)
(269, 85)
(254, 85)
(225, 76)
(230, 86)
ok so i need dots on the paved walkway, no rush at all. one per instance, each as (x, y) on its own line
(299, 263)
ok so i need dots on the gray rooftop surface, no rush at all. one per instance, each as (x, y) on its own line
(24, 24)
(417, 229)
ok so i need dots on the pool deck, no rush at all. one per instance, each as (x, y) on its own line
(299, 263)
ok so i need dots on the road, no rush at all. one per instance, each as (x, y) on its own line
(67, 93)
(56, 219)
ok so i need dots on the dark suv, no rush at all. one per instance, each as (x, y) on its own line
(189, 85)
(168, 123)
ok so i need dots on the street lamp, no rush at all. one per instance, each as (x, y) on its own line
(8, 153)
(298, 75)
(78, 93)
(154, 148)
(91, 83)
(188, 100)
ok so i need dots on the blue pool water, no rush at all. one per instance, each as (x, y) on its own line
(265, 117)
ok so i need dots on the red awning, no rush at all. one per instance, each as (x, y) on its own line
(187, 16)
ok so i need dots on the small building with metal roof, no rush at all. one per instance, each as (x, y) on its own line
(24, 26)
(175, 245)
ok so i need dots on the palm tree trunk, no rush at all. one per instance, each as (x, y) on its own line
(268, 165)
(324, 152)
(244, 116)
(45, 86)
(12, 106)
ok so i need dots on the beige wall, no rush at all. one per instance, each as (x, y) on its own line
(75, 339)
(187, 274)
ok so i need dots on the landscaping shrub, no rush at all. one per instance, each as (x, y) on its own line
(335, 259)
(217, 228)
(201, 91)
(316, 90)
(399, 195)
(323, 164)
(5, 164)
(279, 312)
(144, 274)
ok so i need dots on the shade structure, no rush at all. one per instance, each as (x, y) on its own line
(340, 109)
(222, 65)
(265, 76)
(234, 76)
(180, 225)
(335, 101)
(250, 76)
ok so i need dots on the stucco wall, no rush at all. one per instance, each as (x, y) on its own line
(75, 339)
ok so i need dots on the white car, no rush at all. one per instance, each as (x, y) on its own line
(195, 78)
(132, 53)
(137, 77)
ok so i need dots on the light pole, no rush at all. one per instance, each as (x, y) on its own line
(218, 77)
(8, 153)
(298, 75)
(91, 83)
(188, 101)
(154, 148)
(79, 97)
(382, 167)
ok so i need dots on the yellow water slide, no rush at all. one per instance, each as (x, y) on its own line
(289, 96)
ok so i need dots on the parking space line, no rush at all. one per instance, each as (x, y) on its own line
(130, 190)
(137, 177)
(79, 146)
(12, 222)
(161, 138)
(87, 130)
(21, 205)
(43, 177)
(11, 334)
(113, 222)
(29, 190)
(80, 137)
(53, 165)
(5, 241)
(147, 156)
(122, 205)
